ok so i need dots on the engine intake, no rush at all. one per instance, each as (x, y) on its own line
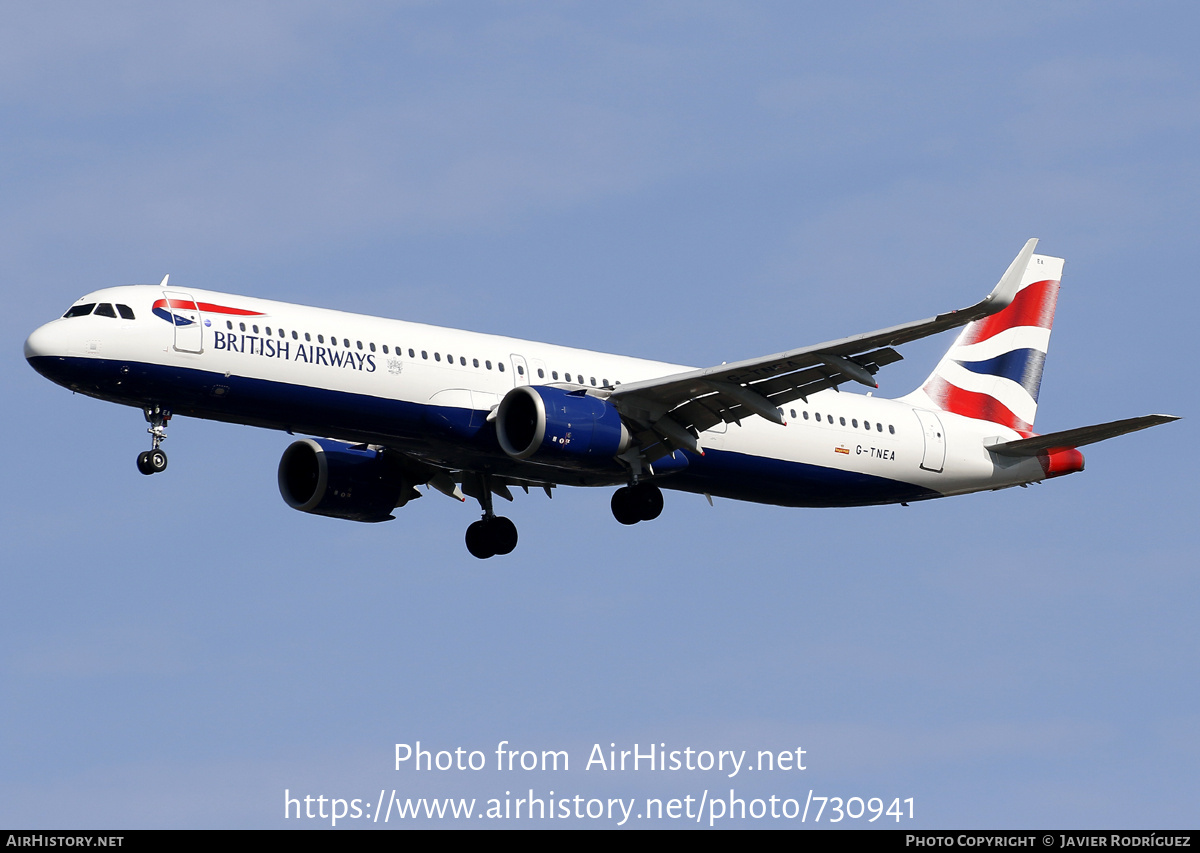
(547, 424)
(325, 477)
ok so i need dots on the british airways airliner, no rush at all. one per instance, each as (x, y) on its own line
(394, 406)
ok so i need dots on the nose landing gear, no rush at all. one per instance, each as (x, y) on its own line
(154, 460)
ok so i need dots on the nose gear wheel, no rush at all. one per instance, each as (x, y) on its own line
(154, 461)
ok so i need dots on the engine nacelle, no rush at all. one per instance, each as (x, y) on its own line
(331, 478)
(551, 424)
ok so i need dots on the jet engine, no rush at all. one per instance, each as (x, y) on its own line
(545, 424)
(339, 480)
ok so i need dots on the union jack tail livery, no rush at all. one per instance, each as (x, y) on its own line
(994, 369)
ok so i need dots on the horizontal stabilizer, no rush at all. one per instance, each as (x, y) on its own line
(1077, 437)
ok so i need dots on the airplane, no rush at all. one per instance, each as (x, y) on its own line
(393, 406)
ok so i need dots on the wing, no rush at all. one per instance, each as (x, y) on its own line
(670, 412)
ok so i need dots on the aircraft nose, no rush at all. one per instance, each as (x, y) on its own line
(46, 352)
(41, 343)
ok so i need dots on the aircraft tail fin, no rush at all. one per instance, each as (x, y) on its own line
(993, 372)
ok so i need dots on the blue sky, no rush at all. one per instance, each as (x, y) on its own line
(688, 182)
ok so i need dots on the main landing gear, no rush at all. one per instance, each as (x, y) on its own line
(631, 504)
(493, 534)
(154, 460)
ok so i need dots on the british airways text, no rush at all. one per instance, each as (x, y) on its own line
(307, 353)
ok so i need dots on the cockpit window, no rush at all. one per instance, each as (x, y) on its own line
(125, 311)
(104, 309)
(80, 310)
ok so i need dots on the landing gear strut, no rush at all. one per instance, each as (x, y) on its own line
(631, 504)
(493, 534)
(154, 460)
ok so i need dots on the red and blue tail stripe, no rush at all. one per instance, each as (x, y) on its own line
(994, 370)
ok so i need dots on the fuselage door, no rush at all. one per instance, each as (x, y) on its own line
(935, 441)
(520, 369)
(189, 329)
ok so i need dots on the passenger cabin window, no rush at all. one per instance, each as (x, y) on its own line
(79, 310)
(125, 311)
